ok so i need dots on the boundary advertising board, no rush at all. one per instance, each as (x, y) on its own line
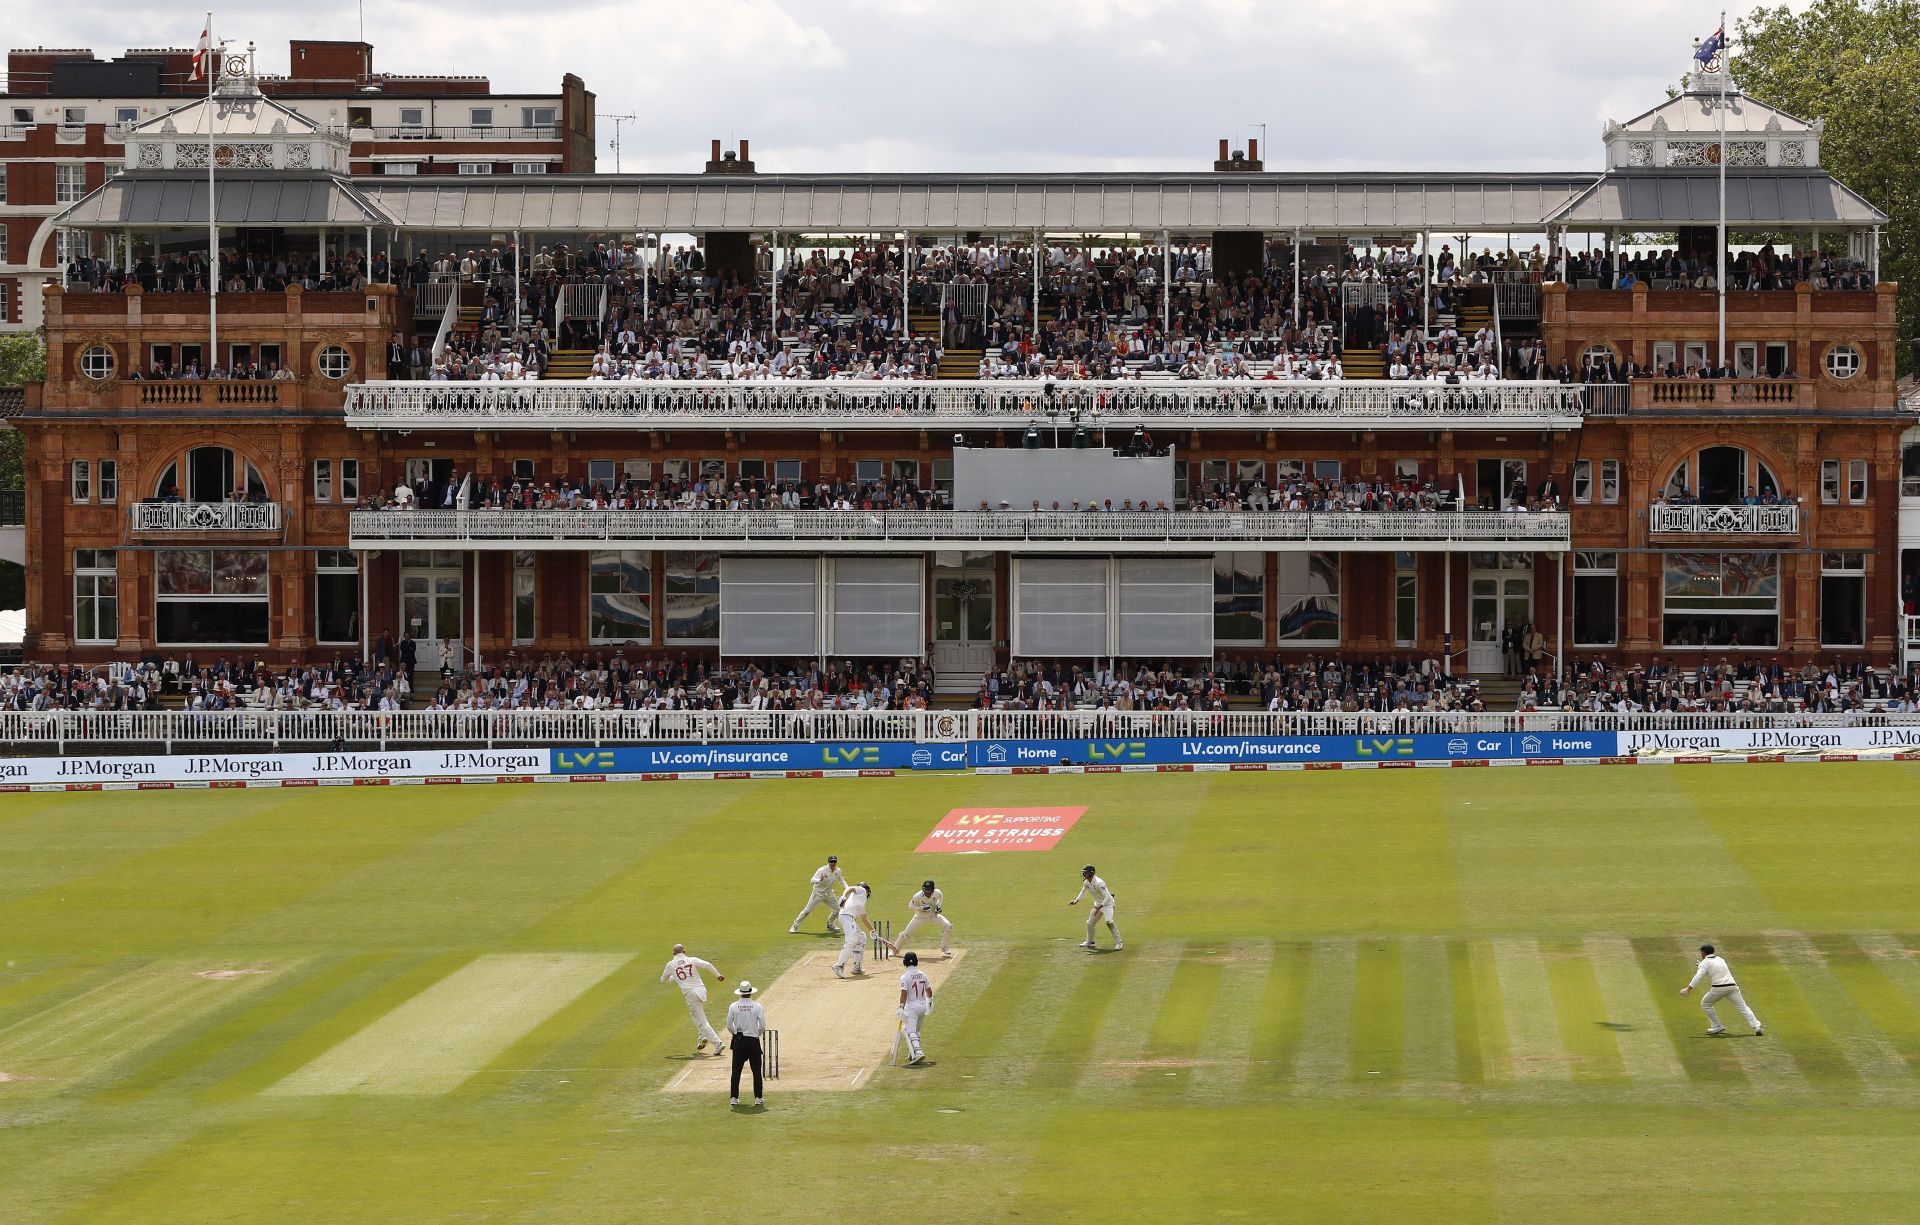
(1466, 746)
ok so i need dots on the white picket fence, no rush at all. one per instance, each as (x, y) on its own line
(37, 732)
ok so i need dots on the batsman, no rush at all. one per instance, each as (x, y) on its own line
(916, 1001)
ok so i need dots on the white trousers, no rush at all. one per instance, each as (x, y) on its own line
(697, 1007)
(853, 943)
(910, 1026)
(1715, 994)
(1098, 913)
(927, 918)
(818, 900)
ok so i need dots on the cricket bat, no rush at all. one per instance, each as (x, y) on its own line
(893, 1052)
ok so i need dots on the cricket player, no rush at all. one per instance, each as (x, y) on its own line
(1102, 907)
(1714, 973)
(827, 884)
(927, 906)
(916, 1001)
(853, 921)
(684, 972)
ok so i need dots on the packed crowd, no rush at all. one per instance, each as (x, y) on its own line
(1762, 269)
(1747, 684)
(249, 270)
(1309, 684)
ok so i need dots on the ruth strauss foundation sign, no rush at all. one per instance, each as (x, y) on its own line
(1000, 829)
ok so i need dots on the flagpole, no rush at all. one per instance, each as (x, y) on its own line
(1726, 65)
(213, 222)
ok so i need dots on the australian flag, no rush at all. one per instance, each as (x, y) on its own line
(1711, 47)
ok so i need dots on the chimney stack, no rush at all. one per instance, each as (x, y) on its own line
(729, 163)
(1233, 161)
(1253, 150)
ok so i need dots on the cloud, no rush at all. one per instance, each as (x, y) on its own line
(900, 85)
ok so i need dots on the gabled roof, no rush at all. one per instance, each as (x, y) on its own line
(231, 115)
(1663, 199)
(1690, 114)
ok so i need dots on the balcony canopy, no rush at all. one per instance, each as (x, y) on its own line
(168, 199)
(1764, 199)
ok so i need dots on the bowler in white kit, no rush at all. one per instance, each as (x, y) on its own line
(828, 884)
(1091, 885)
(929, 909)
(1720, 984)
(684, 972)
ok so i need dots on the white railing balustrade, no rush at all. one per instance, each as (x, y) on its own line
(1724, 520)
(266, 730)
(823, 528)
(956, 404)
(206, 517)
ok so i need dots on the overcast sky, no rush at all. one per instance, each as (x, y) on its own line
(878, 85)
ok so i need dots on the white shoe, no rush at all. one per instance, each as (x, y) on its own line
(1716, 1031)
(1086, 944)
(700, 1046)
(947, 953)
(793, 930)
(838, 972)
(718, 1049)
(735, 1101)
(1118, 947)
(758, 1102)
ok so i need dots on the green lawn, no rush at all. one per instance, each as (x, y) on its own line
(1416, 995)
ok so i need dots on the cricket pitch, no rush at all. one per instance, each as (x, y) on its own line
(833, 1032)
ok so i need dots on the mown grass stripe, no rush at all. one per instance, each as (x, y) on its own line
(1664, 972)
(1627, 1010)
(1121, 1044)
(1577, 1002)
(454, 1028)
(1061, 1059)
(1035, 1014)
(1533, 1026)
(1239, 1013)
(1282, 1016)
(1327, 1028)
(540, 1061)
(1885, 1007)
(1430, 1054)
(1872, 1056)
(1896, 959)
(85, 1035)
(1374, 1045)
(1473, 1036)
(988, 1022)
(1189, 1024)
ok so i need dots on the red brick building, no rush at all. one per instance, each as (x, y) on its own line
(1757, 513)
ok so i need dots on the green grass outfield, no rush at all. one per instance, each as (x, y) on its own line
(1404, 996)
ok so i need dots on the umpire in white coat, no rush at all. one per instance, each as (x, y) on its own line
(747, 1022)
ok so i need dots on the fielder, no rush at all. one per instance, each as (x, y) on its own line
(853, 922)
(827, 884)
(1713, 971)
(916, 1001)
(684, 972)
(1102, 907)
(927, 906)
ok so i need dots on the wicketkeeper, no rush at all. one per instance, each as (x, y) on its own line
(928, 908)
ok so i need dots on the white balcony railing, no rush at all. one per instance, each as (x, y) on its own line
(960, 405)
(1044, 532)
(206, 517)
(1724, 520)
(176, 730)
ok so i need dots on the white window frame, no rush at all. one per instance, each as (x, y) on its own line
(1842, 362)
(88, 570)
(349, 480)
(1853, 567)
(88, 365)
(480, 116)
(400, 169)
(419, 119)
(323, 480)
(1609, 481)
(530, 116)
(476, 167)
(107, 486)
(1830, 482)
(1857, 486)
(531, 168)
(321, 362)
(329, 562)
(1582, 481)
(69, 182)
(1595, 563)
(80, 480)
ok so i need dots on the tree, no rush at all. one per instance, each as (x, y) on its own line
(1855, 64)
(23, 359)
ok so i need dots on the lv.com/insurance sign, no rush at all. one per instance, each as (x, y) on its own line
(1465, 746)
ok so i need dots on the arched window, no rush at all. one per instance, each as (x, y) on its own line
(211, 474)
(1724, 476)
